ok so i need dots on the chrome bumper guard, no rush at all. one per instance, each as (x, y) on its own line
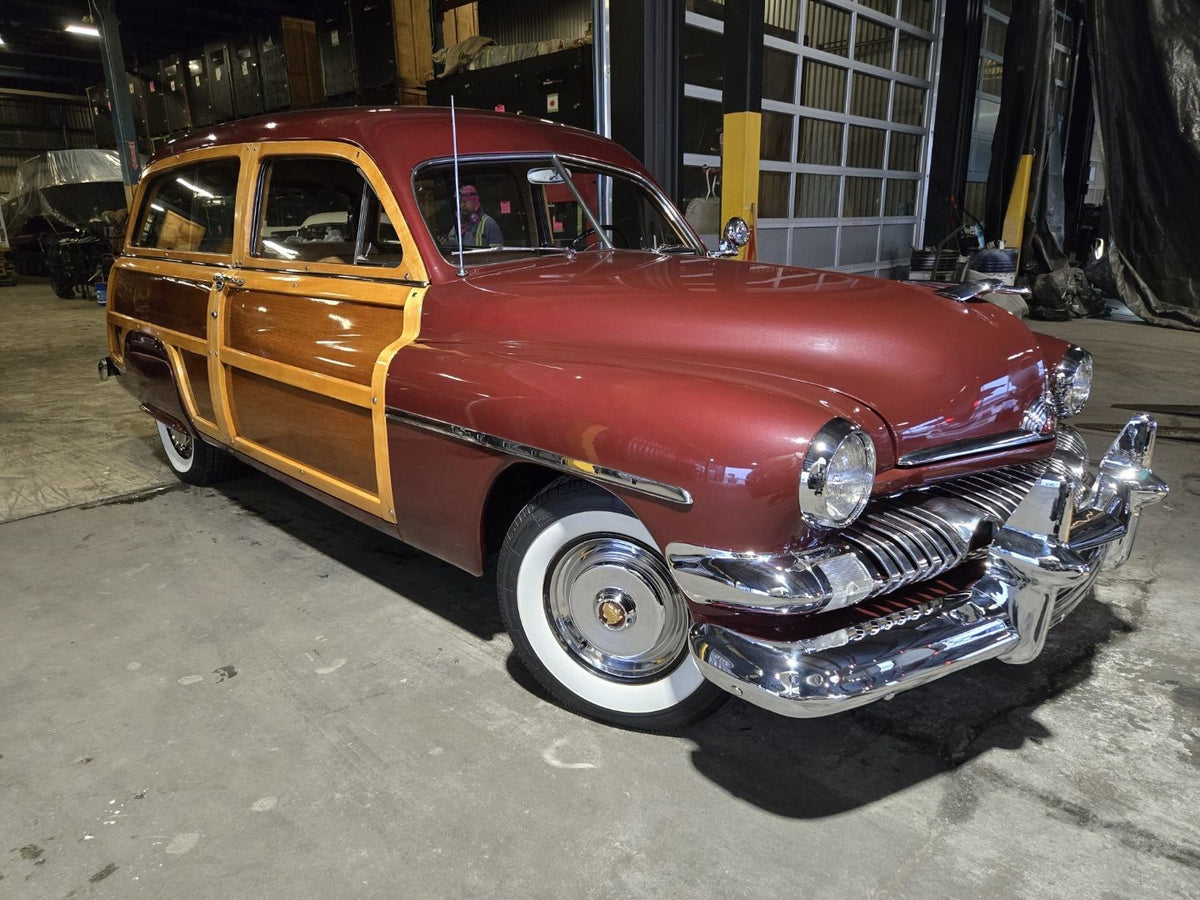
(1040, 564)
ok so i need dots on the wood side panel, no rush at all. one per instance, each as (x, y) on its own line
(197, 374)
(334, 338)
(175, 303)
(323, 433)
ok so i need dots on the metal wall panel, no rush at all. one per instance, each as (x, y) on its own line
(534, 20)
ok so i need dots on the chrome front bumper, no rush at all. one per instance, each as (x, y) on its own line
(1040, 564)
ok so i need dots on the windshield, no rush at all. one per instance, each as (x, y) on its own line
(513, 209)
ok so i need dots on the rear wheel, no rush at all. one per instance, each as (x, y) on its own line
(193, 460)
(594, 614)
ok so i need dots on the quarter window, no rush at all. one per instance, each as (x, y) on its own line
(190, 209)
(322, 209)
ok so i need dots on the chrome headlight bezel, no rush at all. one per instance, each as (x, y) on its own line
(828, 449)
(1071, 382)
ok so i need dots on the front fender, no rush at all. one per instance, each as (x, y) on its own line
(733, 440)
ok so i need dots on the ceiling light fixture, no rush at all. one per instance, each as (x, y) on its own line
(87, 30)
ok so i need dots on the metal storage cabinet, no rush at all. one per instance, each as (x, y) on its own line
(335, 38)
(102, 122)
(175, 96)
(273, 68)
(220, 80)
(492, 88)
(374, 43)
(247, 84)
(196, 86)
(558, 86)
(156, 102)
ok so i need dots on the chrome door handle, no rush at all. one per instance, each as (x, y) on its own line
(222, 281)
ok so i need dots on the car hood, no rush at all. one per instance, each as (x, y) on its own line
(936, 370)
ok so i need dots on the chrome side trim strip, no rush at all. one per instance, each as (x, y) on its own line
(566, 464)
(970, 447)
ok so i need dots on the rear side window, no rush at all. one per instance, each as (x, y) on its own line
(322, 209)
(190, 209)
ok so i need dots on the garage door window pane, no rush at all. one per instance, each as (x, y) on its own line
(883, 6)
(913, 56)
(700, 125)
(917, 12)
(993, 41)
(776, 136)
(190, 209)
(908, 108)
(773, 195)
(865, 148)
(824, 86)
(827, 28)
(703, 57)
(903, 152)
(991, 75)
(779, 75)
(901, 197)
(873, 43)
(820, 142)
(869, 96)
(816, 196)
(862, 197)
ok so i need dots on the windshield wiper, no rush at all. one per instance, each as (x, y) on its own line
(675, 248)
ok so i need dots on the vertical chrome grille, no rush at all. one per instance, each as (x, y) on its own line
(922, 533)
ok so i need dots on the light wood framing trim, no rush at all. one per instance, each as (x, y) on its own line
(229, 151)
(168, 336)
(335, 487)
(383, 461)
(411, 269)
(316, 382)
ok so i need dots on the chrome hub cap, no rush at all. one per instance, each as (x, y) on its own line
(613, 606)
(181, 441)
(615, 609)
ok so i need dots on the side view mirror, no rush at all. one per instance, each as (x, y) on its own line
(735, 236)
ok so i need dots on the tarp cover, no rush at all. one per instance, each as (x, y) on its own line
(1146, 64)
(66, 187)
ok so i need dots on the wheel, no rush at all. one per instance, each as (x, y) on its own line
(193, 460)
(63, 287)
(594, 614)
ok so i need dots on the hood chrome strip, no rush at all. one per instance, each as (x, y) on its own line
(567, 464)
(971, 447)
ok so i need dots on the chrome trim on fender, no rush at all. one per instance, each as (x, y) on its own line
(970, 447)
(566, 464)
(1039, 566)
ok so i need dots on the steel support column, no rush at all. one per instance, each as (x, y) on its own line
(742, 135)
(118, 94)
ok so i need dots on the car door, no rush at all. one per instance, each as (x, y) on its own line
(163, 286)
(327, 289)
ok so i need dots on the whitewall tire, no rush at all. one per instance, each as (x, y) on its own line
(594, 614)
(191, 459)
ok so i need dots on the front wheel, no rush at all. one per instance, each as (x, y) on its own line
(191, 459)
(594, 614)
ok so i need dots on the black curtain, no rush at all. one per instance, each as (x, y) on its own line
(1146, 64)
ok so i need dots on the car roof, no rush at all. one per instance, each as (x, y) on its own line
(407, 134)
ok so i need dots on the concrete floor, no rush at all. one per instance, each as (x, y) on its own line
(237, 692)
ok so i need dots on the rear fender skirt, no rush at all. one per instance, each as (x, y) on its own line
(150, 377)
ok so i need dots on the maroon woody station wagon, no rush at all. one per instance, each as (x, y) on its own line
(702, 476)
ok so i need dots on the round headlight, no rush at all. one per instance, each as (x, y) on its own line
(1072, 382)
(837, 475)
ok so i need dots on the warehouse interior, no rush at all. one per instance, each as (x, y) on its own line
(236, 691)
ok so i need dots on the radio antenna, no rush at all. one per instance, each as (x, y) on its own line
(462, 270)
